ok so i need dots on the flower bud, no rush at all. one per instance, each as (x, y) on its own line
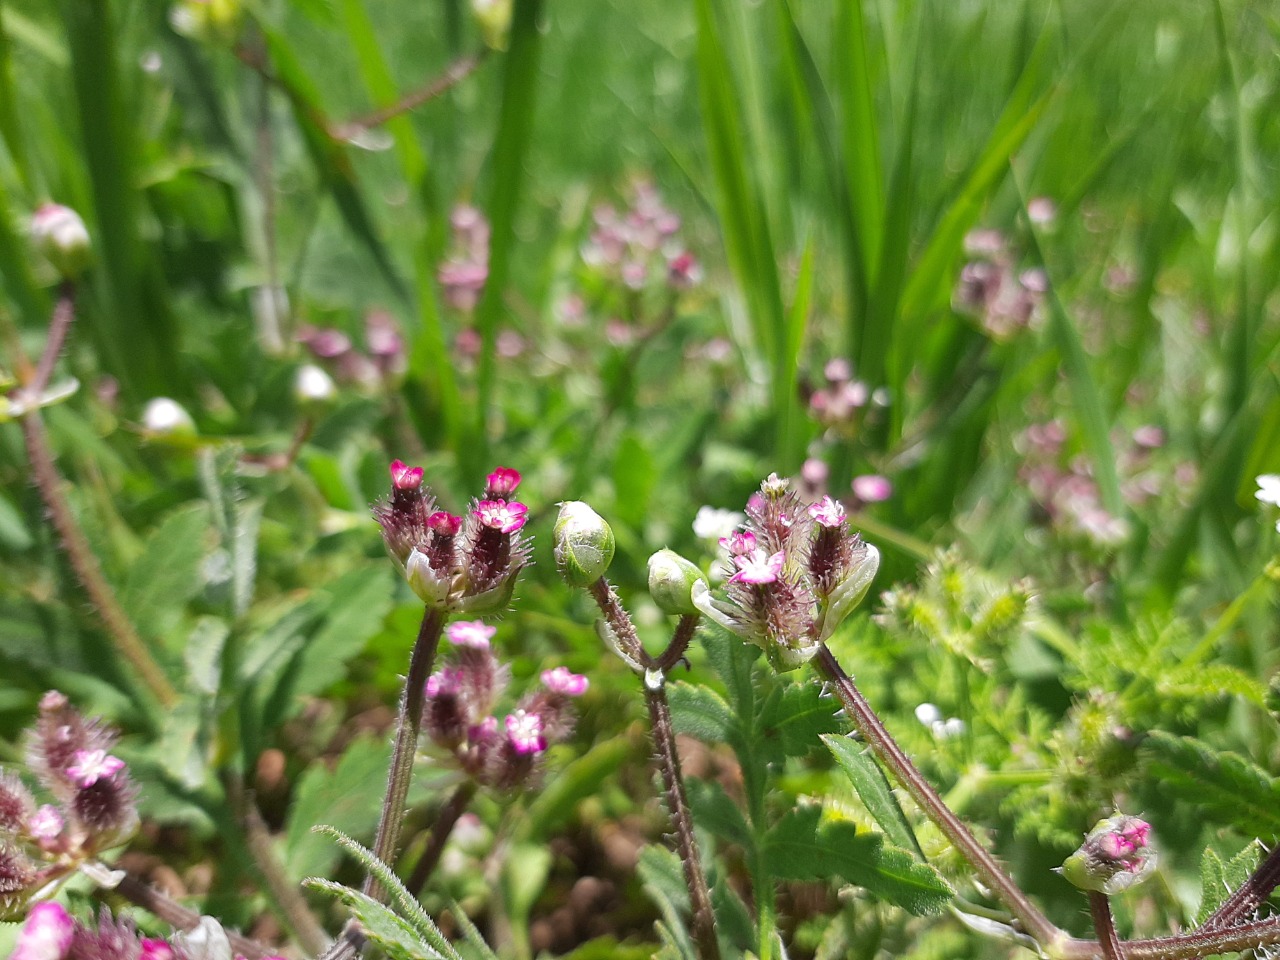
(312, 386)
(207, 21)
(583, 544)
(1115, 855)
(494, 19)
(60, 236)
(166, 419)
(671, 580)
(46, 933)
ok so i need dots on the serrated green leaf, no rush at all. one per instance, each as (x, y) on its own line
(347, 797)
(203, 655)
(799, 715)
(715, 811)
(244, 553)
(380, 924)
(802, 847)
(874, 790)
(1218, 880)
(167, 575)
(1224, 785)
(700, 713)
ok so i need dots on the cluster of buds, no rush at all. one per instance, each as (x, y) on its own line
(94, 803)
(1115, 855)
(462, 276)
(458, 564)
(843, 403)
(1066, 492)
(798, 572)
(382, 360)
(640, 246)
(460, 699)
(993, 292)
(51, 933)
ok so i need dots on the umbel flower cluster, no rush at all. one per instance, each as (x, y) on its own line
(50, 933)
(798, 571)
(459, 719)
(93, 803)
(457, 564)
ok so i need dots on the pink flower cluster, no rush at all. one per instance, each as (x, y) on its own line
(381, 361)
(992, 291)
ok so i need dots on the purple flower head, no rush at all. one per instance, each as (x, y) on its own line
(524, 732)
(740, 543)
(90, 766)
(61, 735)
(46, 934)
(405, 477)
(502, 483)
(563, 681)
(758, 568)
(501, 515)
(16, 803)
(471, 633)
(828, 513)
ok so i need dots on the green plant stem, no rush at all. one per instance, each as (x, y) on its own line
(85, 564)
(1105, 925)
(1184, 946)
(454, 74)
(1033, 921)
(441, 829)
(179, 917)
(408, 723)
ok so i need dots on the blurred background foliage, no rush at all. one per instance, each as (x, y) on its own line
(1042, 237)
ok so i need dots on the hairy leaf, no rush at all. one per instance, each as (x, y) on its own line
(1222, 784)
(873, 787)
(1219, 879)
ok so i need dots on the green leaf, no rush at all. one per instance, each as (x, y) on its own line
(801, 847)
(663, 879)
(348, 797)
(168, 573)
(524, 877)
(380, 924)
(874, 790)
(796, 715)
(700, 713)
(203, 655)
(1218, 880)
(715, 811)
(1224, 785)
(244, 553)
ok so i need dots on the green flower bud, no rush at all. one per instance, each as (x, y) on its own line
(60, 236)
(671, 580)
(166, 419)
(494, 19)
(583, 544)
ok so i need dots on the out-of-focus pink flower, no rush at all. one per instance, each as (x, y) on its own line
(470, 633)
(872, 488)
(524, 731)
(90, 766)
(564, 681)
(46, 934)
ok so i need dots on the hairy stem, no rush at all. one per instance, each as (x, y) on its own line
(441, 830)
(1249, 897)
(664, 741)
(408, 723)
(60, 323)
(85, 564)
(1183, 946)
(680, 641)
(1033, 921)
(180, 917)
(1105, 925)
(619, 622)
(454, 74)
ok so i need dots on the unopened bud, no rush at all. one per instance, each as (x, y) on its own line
(671, 580)
(583, 544)
(1115, 855)
(312, 386)
(163, 418)
(61, 237)
(494, 19)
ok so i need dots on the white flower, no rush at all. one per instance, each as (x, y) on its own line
(712, 523)
(1269, 489)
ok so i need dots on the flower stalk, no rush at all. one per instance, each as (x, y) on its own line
(1105, 926)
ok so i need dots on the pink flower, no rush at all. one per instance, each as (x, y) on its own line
(154, 949)
(502, 483)
(46, 933)
(471, 633)
(524, 731)
(758, 568)
(404, 477)
(564, 681)
(444, 524)
(740, 543)
(500, 515)
(46, 823)
(446, 682)
(828, 512)
(93, 765)
(872, 488)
